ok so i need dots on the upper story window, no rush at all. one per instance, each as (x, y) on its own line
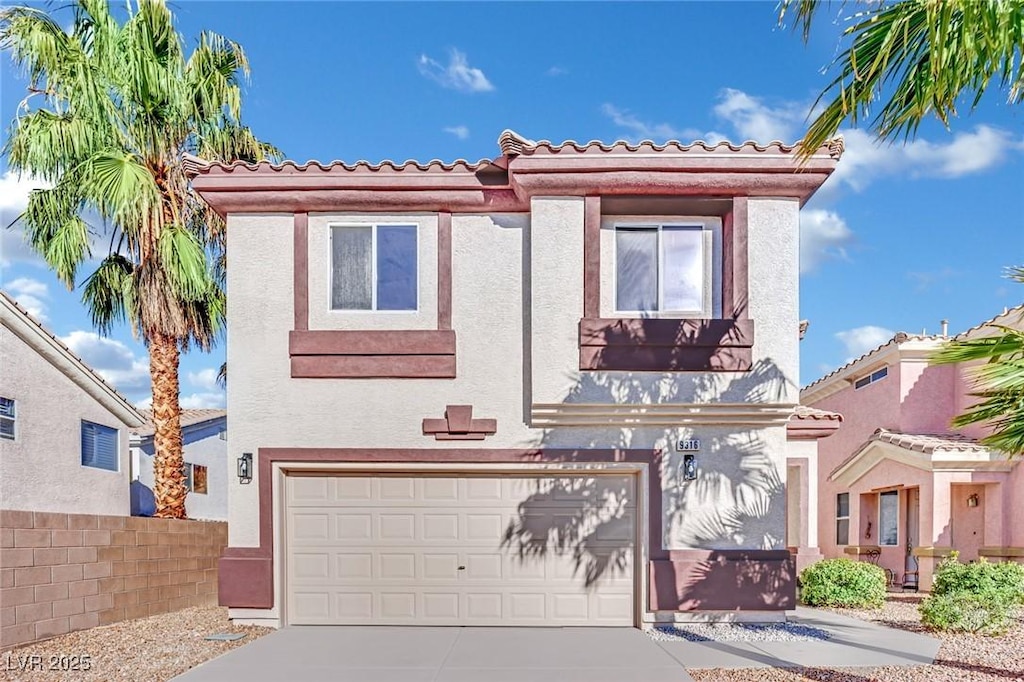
(663, 268)
(99, 446)
(8, 418)
(374, 267)
(867, 379)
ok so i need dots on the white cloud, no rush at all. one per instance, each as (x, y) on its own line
(205, 379)
(659, 132)
(860, 340)
(824, 235)
(111, 359)
(457, 75)
(752, 119)
(31, 294)
(925, 280)
(556, 71)
(202, 400)
(964, 153)
(14, 191)
(461, 132)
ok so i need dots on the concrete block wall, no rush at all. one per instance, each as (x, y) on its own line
(65, 572)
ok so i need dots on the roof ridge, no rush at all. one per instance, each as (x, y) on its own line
(53, 337)
(898, 337)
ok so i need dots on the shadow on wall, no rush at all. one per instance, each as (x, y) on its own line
(737, 501)
(142, 499)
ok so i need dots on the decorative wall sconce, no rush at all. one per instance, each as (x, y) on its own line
(689, 467)
(245, 468)
(972, 500)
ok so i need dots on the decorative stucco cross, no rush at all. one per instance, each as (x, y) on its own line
(458, 424)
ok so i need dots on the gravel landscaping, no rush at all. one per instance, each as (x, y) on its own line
(961, 656)
(153, 649)
(738, 632)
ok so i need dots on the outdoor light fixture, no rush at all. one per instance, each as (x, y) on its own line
(245, 468)
(972, 500)
(689, 467)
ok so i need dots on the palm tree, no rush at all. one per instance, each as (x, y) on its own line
(999, 382)
(111, 108)
(924, 56)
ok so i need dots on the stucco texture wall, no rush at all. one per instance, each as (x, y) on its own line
(41, 470)
(517, 301)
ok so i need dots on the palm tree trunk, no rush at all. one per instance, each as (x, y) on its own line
(169, 479)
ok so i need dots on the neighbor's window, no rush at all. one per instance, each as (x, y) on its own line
(843, 519)
(199, 485)
(888, 517)
(660, 268)
(373, 267)
(99, 446)
(877, 375)
(186, 469)
(8, 418)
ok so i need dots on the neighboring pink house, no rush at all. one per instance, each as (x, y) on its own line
(897, 484)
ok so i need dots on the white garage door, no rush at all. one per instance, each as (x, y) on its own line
(445, 550)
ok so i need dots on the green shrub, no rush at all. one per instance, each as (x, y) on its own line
(979, 596)
(842, 583)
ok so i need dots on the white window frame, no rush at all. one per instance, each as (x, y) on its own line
(373, 268)
(889, 493)
(12, 418)
(871, 377)
(843, 518)
(707, 266)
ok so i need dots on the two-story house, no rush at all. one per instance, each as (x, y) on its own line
(549, 388)
(897, 484)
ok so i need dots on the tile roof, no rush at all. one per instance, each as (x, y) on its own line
(189, 417)
(929, 443)
(1017, 310)
(897, 339)
(803, 412)
(93, 374)
(511, 144)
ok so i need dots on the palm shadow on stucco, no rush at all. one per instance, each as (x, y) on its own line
(736, 502)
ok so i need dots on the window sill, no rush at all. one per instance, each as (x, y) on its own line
(666, 345)
(414, 354)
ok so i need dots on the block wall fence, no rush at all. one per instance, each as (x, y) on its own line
(65, 572)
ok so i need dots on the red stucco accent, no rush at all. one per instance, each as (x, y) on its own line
(301, 270)
(660, 344)
(592, 257)
(458, 424)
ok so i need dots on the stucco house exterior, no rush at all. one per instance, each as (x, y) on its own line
(897, 484)
(63, 429)
(204, 448)
(550, 388)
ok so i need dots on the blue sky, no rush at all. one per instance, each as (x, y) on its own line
(901, 237)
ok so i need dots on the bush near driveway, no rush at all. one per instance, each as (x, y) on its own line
(843, 583)
(979, 596)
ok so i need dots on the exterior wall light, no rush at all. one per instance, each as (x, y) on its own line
(689, 467)
(245, 468)
(972, 500)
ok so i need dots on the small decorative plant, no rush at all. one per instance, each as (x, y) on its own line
(843, 583)
(979, 596)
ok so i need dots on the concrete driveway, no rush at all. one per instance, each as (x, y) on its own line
(454, 654)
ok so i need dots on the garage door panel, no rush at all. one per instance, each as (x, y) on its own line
(388, 550)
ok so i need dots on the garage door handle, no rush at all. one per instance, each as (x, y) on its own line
(462, 568)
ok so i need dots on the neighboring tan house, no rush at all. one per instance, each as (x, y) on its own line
(550, 388)
(205, 450)
(898, 485)
(63, 429)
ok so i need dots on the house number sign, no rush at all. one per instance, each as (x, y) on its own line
(688, 445)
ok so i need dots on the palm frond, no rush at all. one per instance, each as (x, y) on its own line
(106, 292)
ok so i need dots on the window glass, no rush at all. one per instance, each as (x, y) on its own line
(99, 446)
(682, 264)
(396, 267)
(6, 407)
(7, 415)
(199, 479)
(187, 470)
(880, 374)
(636, 269)
(888, 518)
(352, 268)
(843, 519)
